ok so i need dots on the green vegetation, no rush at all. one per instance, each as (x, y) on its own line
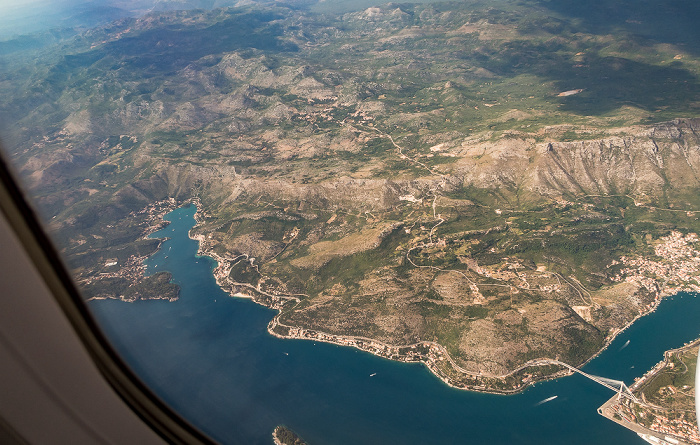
(674, 387)
(466, 174)
(152, 287)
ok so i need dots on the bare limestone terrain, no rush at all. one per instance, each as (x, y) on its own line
(408, 262)
(471, 186)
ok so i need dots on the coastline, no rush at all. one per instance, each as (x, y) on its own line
(134, 268)
(128, 300)
(619, 411)
(432, 355)
(276, 439)
(662, 364)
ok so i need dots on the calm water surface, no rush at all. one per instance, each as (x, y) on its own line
(210, 357)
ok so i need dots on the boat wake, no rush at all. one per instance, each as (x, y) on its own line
(548, 399)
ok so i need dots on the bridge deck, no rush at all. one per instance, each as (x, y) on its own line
(622, 390)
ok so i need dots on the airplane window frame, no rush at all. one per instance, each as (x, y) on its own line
(24, 221)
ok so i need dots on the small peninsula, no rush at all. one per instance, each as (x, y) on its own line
(666, 414)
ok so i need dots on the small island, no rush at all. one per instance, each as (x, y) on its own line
(284, 436)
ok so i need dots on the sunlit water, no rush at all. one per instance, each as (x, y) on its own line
(210, 357)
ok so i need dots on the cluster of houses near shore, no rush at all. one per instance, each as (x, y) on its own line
(676, 267)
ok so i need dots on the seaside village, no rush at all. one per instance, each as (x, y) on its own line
(681, 428)
(411, 353)
(676, 270)
(133, 268)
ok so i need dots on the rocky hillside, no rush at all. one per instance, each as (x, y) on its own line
(504, 181)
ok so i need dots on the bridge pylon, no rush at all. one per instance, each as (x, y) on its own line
(624, 391)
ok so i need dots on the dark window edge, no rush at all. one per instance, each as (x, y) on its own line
(30, 232)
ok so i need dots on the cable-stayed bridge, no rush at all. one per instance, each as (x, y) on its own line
(615, 385)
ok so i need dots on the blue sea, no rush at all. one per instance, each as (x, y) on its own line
(210, 357)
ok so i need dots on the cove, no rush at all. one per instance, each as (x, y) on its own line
(210, 357)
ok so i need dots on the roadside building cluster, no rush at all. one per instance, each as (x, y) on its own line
(677, 266)
(677, 427)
